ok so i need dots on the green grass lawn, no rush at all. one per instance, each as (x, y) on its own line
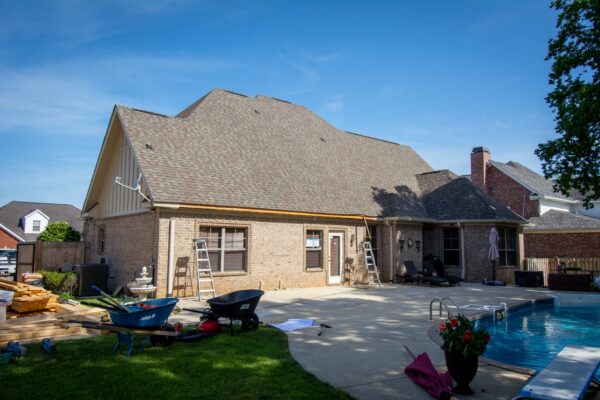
(254, 365)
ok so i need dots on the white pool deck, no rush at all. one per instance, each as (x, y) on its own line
(364, 354)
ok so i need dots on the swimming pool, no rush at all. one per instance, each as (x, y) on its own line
(532, 336)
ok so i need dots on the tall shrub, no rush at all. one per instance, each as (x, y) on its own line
(60, 232)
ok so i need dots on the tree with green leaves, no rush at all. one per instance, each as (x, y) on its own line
(573, 160)
(59, 232)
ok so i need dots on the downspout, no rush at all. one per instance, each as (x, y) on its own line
(391, 250)
(461, 228)
(170, 266)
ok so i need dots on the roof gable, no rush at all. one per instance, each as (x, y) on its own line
(36, 211)
(531, 180)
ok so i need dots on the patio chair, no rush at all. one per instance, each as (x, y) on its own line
(430, 275)
(410, 274)
(439, 268)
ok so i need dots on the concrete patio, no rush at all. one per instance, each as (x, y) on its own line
(364, 353)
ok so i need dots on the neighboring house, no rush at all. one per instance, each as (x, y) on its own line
(559, 225)
(282, 197)
(23, 221)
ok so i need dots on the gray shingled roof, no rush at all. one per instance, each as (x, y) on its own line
(530, 179)
(232, 150)
(11, 214)
(448, 197)
(555, 219)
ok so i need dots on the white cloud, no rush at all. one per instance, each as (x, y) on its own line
(75, 97)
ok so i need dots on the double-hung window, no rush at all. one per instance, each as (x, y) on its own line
(314, 249)
(507, 246)
(227, 248)
(36, 226)
(451, 246)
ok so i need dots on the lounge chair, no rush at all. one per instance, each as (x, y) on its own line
(410, 274)
(439, 268)
(430, 275)
(568, 376)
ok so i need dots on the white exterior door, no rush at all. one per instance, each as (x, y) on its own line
(336, 257)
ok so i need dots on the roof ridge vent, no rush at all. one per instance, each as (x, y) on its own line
(371, 137)
(236, 93)
(150, 112)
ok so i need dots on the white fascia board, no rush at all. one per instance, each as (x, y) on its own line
(11, 233)
(37, 211)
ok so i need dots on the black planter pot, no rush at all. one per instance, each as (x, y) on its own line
(462, 369)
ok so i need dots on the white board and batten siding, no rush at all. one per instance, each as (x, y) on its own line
(113, 199)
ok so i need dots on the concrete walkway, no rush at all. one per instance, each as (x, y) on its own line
(363, 353)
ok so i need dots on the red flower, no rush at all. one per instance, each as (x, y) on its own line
(454, 323)
(443, 326)
(468, 336)
(487, 339)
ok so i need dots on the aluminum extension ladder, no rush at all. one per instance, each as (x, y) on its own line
(204, 277)
(370, 263)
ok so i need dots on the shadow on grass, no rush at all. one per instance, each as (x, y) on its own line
(255, 365)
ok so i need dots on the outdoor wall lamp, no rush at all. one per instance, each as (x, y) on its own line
(418, 243)
(401, 242)
(352, 239)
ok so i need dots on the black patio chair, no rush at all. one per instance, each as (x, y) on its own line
(439, 268)
(431, 276)
(411, 275)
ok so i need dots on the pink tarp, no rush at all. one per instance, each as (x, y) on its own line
(424, 374)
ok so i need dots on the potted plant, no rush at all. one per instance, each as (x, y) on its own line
(463, 345)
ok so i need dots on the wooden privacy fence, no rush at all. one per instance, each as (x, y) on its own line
(568, 264)
(48, 255)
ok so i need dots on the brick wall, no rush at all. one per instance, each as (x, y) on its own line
(7, 241)
(476, 246)
(545, 245)
(510, 193)
(477, 265)
(275, 251)
(130, 243)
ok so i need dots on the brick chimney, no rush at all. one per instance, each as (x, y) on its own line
(479, 159)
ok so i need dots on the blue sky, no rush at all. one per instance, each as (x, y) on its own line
(440, 76)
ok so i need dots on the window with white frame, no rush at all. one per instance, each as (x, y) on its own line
(507, 246)
(314, 249)
(227, 248)
(36, 224)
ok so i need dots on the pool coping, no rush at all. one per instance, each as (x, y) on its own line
(474, 315)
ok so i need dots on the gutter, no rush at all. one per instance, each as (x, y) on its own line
(559, 230)
(453, 221)
(178, 206)
(551, 198)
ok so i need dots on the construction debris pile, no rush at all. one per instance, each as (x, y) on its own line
(52, 325)
(28, 298)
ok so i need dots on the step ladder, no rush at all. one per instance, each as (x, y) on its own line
(370, 263)
(204, 279)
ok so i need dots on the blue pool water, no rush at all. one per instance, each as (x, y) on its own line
(532, 336)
